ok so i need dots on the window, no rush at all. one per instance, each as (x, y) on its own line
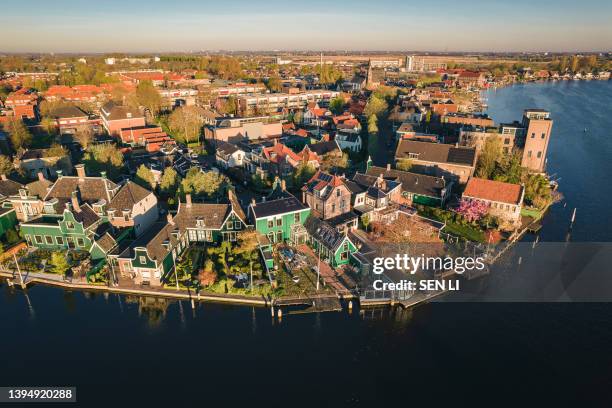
(543, 135)
(192, 236)
(279, 222)
(270, 223)
(80, 242)
(338, 193)
(70, 225)
(529, 153)
(279, 236)
(539, 154)
(209, 235)
(229, 225)
(296, 217)
(59, 240)
(237, 225)
(333, 208)
(507, 140)
(271, 237)
(49, 239)
(201, 235)
(38, 239)
(142, 260)
(532, 135)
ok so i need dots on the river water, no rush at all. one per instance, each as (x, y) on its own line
(120, 350)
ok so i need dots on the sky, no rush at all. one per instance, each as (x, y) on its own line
(181, 26)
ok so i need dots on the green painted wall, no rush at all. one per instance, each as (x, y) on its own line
(66, 227)
(261, 224)
(7, 221)
(426, 200)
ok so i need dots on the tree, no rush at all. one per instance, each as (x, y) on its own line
(298, 117)
(169, 181)
(404, 164)
(19, 134)
(58, 263)
(372, 124)
(84, 136)
(274, 84)
(375, 106)
(186, 122)
(574, 61)
(184, 269)
(198, 183)
(472, 210)
(537, 190)
(56, 150)
(208, 275)
(334, 162)
(247, 247)
(148, 96)
(6, 165)
(365, 220)
(48, 125)
(104, 157)
(145, 177)
(510, 170)
(302, 174)
(490, 155)
(336, 105)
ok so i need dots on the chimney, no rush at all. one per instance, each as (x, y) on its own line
(283, 185)
(188, 199)
(75, 202)
(3, 176)
(253, 202)
(103, 174)
(41, 177)
(170, 220)
(388, 166)
(80, 169)
(59, 173)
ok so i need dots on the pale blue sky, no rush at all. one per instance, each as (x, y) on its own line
(156, 26)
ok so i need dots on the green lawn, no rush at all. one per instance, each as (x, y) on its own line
(465, 231)
(533, 213)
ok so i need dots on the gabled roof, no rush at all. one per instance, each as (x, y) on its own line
(226, 148)
(39, 188)
(112, 111)
(279, 152)
(412, 182)
(86, 215)
(494, 191)
(324, 233)
(128, 196)
(323, 148)
(9, 187)
(436, 152)
(69, 111)
(90, 189)
(286, 204)
(323, 184)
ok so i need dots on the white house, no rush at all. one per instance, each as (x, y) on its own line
(350, 141)
(229, 155)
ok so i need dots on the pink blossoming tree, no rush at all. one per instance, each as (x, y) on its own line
(472, 210)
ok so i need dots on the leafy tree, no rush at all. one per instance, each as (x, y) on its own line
(537, 190)
(184, 269)
(490, 155)
(302, 174)
(372, 124)
(104, 157)
(148, 96)
(198, 183)
(334, 162)
(186, 123)
(365, 220)
(145, 177)
(510, 170)
(336, 105)
(56, 150)
(298, 117)
(404, 164)
(12, 236)
(208, 275)
(6, 165)
(19, 134)
(169, 181)
(247, 247)
(84, 136)
(48, 125)
(274, 84)
(375, 106)
(229, 106)
(59, 264)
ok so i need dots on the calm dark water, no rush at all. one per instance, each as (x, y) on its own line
(124, 351)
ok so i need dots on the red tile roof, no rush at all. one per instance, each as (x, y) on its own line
(494, 190)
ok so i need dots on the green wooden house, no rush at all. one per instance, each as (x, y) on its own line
(280, 217)
(69, 230)
(334, 247)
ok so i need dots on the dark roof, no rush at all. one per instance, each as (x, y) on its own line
(354, 187)
(112, 111)
(39, 188)
(86, 215)
(279, 206)
(342, 218)
(90, 189)
(128, 195)
(106, 242)
(9, 187)
(152, 240)
(211, 215)
(324, 233)
(323, 148)
(69, 111)
(226, 148)
(412, 182)
(376, 187)
(436, 152)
